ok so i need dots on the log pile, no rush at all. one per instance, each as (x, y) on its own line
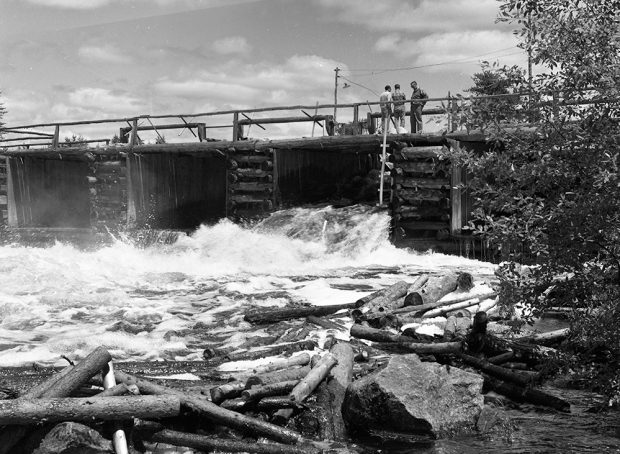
(251, 183)
(420, 191)
(107, 184)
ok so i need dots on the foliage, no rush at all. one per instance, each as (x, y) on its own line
(548, 193)
(73, 141)
(160, 139)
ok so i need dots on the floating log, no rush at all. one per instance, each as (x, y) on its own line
(391, 299)
(526, 394)
(276, 376)
(262, 315)
(273, 389)
(496, 371)
(330, 394)
(32, 412)
(216, 414)
(157, 433)
(226, 391)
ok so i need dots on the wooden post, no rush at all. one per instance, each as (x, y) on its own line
(235, 136)
(11, 202)
(56, 139)
(370, 122)
(356, 119)
(202, 132)
(132, 214)
(134, 133)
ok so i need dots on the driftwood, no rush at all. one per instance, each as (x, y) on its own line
(155, 432)
(550, 337)
(446, 309)
(526, 394)
(261, 316)
(425, 307)
(323, 323)
(501, 358)
(316, 375)
(497, 371)
(273, 389)
(389, 300)
(330, 394)
(436, 348)
(266, 378)
(270, 351)
(32, 412)
(267, 404)
(283, 363)
(226, 391)
(435, 288)
(118, 390)
(378, 335)
(216, 414)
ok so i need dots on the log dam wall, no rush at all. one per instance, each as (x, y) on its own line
(179, 186)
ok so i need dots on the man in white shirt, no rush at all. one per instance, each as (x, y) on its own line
(385, 101)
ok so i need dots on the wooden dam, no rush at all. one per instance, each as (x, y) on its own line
(61, 190)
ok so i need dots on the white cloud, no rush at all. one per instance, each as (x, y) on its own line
(301, 77)
(422, 16)
(104, 54)
(101, 101)
(231, 45)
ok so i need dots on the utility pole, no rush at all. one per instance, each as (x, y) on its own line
(335, 92)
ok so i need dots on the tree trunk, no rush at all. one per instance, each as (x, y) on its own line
(216, 414)
(261, 316)
(330, 394)
(32, 412)
(526, 394)
(273, 389)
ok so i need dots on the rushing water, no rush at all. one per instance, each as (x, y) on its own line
(168, 301)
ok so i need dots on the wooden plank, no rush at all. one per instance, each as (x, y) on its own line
(423, 225)
(247, 158)
(248, 198)
(423, 183)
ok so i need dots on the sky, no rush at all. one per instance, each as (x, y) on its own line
(73, 60)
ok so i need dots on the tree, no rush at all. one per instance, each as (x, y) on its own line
(73, 141)
(550, 194)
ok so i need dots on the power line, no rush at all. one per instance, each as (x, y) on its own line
(359, 85)
(372, 71)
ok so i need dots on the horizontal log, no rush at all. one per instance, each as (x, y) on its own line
(226, 391)
(404, 168)
(264, 315)
(252, 186)
(411, 153)
(496, 371)
(264, 121)
(271, 351)
(32, 412)
(526, 394)
(423, 225)
(273, 389)
(277, 364)
(547, 338)
(249, 198)
(277, 376)
(378, 335)
(157, 433)
(428, 195)
(435, 348)
(250, 158)
(422, 183)
(390, 299)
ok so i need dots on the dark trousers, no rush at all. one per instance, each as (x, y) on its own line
(416, 118)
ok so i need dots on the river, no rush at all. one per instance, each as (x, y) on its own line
(167, 301)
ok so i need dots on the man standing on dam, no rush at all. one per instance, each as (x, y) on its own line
(417, 103)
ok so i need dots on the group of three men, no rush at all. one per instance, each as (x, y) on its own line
(397, 99)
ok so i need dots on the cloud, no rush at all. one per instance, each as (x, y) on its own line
(301, 77)
(422, 16)
(104, 54)
(99, 101)
(231, 45)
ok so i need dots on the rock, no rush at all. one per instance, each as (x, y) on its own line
(412, 396)
(73, 438)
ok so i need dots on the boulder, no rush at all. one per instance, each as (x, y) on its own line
(74, 438)
(412, 396)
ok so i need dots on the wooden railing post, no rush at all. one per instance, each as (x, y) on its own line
(56, 138)
(356, 119)
(235, 135)
(134, 132)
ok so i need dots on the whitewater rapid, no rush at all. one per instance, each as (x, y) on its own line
(166, 301)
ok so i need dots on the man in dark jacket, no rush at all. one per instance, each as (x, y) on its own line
(417, 103)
